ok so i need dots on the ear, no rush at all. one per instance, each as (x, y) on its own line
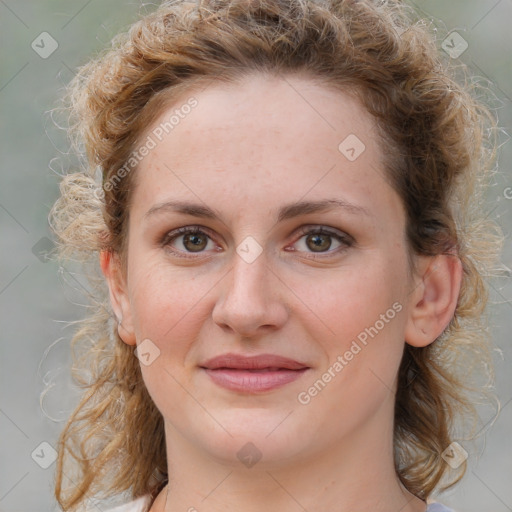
(434, 299)
(119, 299)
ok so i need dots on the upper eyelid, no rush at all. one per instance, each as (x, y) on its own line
(308, 228)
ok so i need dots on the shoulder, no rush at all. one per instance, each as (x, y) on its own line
(438, 507)
(139, 505)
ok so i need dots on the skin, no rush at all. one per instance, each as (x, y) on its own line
(245, 151)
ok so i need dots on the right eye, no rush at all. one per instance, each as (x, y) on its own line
(193, 240)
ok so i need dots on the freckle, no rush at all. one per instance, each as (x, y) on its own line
(329, 485)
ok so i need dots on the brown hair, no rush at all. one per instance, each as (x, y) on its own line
(437, 160)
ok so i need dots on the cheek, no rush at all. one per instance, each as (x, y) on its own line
(361, 332)
(363, 321)
(346, 302)
(167, 305)
(169, 308)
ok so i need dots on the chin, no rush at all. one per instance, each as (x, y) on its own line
(259, 442)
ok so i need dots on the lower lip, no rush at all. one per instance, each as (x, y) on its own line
(253, 381)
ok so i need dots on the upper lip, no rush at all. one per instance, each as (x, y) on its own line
(255, 362)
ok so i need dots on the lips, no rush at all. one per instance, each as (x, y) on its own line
(267, 362)
(253, 374)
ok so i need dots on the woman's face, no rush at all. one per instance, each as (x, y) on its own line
(258, 169)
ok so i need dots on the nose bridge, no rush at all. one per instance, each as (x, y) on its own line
(249, 273)
(249, 297)
(250, 269)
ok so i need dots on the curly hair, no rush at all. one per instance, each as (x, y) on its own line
(439, 146)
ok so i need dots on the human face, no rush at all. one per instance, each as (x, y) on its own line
(247, 151)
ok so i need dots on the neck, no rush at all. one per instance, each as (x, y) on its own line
(357, 473)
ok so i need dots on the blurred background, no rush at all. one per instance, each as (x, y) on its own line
(42, 43)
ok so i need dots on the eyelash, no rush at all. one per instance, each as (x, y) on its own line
(344, 239)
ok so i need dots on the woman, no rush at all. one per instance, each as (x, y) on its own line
(289, 229)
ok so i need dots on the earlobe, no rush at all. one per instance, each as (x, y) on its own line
(111, 268)
(433, 301)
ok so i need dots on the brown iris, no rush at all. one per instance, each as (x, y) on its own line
(317, 241)
(196, 243)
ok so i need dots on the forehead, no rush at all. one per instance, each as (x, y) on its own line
(262, 139)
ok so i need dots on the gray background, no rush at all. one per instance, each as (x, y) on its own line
(37, 298)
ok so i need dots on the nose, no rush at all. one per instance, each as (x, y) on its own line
(251, 299)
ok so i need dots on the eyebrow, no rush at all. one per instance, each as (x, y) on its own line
(285, 212)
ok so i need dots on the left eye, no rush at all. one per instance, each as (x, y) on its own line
(319, 240)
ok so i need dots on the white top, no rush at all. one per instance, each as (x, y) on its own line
(142, 505)
(139, 505)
